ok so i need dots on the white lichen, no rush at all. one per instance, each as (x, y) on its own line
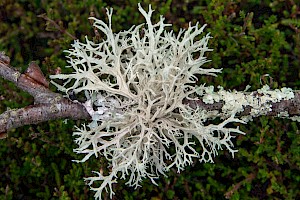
(259, 103)
(135, 82)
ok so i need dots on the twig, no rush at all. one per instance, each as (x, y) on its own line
(47, 104)
(44, 16)
(291, 107)
(237, 186)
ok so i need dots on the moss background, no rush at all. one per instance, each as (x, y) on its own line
(250, 39)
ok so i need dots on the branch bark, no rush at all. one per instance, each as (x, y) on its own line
(291, 107)
(50, 106)
(47, 104)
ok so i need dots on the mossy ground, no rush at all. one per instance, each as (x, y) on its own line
(250, 39)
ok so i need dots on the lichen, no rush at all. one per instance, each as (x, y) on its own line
(295, 118)
(259, 102)
(135, 82)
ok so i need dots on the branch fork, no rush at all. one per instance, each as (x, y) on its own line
(47, 104)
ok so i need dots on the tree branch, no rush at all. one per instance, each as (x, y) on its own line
(47, 104)
(50, 106)
(40, 113)
(291, 107)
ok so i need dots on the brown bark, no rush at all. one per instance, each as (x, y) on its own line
(47, 104)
